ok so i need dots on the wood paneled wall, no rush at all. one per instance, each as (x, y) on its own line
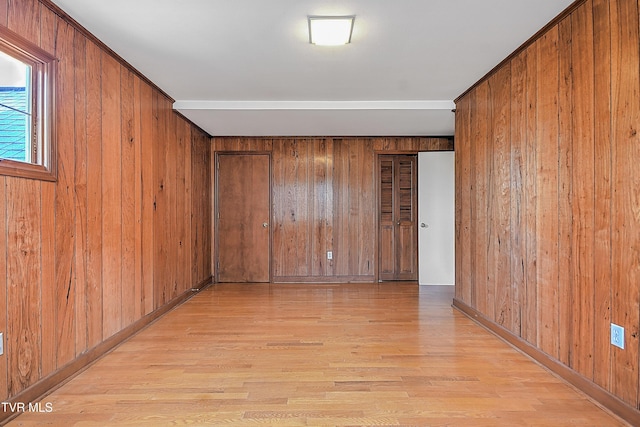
(324, 199)
(115, 237)
(548, 194)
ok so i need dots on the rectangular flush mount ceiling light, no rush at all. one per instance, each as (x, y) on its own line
(330, 30)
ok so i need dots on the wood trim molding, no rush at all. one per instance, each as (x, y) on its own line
(45, 386)
(588, 387)
(324, 279)
(396, 152)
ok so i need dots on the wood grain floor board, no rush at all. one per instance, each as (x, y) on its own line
(298, 355)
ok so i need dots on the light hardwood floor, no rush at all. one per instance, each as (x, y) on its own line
(335, 355)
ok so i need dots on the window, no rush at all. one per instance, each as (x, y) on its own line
(27, 72)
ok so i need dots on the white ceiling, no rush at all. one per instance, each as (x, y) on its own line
(245, 67)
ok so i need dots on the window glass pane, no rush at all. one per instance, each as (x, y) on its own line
(15, 110)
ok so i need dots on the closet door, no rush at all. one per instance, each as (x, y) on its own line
(397, 211)
(242, 218)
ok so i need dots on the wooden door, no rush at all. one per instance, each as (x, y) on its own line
(397, 212)
(242, 218)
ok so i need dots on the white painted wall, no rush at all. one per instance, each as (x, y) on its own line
(436, 209)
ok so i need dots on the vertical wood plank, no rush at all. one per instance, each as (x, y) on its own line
(460, 205)
(128, 147)
(473, 195)
(188, 217)
(336, 208)
(490, 247)
(148, 196)
(278, 216)
(183, 140)
(365, 176)
(49, 294)
(80, 185)
(547, 195)
(201, 207)
(463, 201)
(309, 196)
(208, 235)
(319, 202)
(196, 207)
(94, 195)
(171, 226)
(518, 230)
(304, 208)
(24, 19)
(341, 210)
(506, 308)
(330, 211)
(479, 119)
(138, 300)
(23, 339)
(295, 209)
(65, 198)
(603, 192)
(530, 315)
(625, 114)
(367, 196)
(214, 207)
(111, 197)
(583, 196)
(353, 236)
(565, 141)
(160, 221)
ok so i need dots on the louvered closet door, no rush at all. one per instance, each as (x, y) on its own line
(397, 217)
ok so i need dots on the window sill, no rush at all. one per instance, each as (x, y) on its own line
(26, 170)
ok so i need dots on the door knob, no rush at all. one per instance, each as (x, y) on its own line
(265, 225)
(423, 225)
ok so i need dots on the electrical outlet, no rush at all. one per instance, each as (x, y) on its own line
(617, 335)
(329, 255)
(1, 343)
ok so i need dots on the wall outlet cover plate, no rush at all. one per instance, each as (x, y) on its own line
(617, 335)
